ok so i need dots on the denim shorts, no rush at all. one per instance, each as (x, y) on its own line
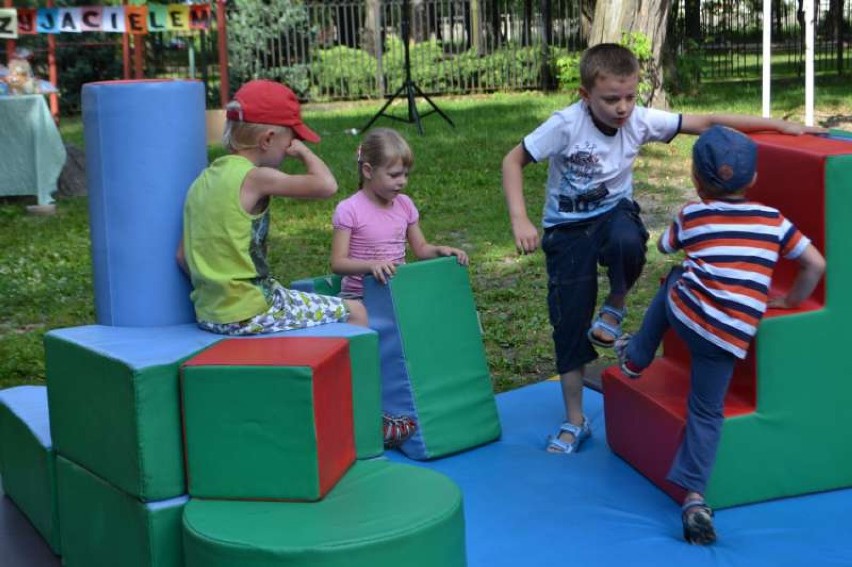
(617, 240)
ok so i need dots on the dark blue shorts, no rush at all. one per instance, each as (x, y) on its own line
(616, 240)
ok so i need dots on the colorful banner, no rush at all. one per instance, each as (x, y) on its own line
(152, 18)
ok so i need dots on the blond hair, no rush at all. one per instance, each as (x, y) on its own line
(381, 147)
(606, 59)
(239, 135)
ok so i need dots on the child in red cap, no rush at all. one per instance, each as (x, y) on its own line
(226, 220)
(716, 298)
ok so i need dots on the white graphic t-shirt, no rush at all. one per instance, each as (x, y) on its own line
(589, 171)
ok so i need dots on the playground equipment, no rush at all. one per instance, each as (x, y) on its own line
(433, 362)
(785, 430)
(291, 416)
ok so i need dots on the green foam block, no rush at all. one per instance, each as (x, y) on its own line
(380, 514)
(366, 382)
(433, 359)
(107, 527)
(29, 466)
(114, 402)
(269, 418)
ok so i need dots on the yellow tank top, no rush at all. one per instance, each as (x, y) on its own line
(225, 246)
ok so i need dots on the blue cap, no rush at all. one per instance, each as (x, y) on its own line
(725, 158)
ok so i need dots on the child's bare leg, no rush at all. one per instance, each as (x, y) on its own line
(357, 312)
(572, 397)
(616, 301)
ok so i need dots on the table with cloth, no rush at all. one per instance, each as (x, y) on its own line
(31, 151)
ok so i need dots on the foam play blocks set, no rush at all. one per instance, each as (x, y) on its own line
(433, 361)
(785, 431)
(380, 513)
(268, 418)
(114, 403)
(28, 460)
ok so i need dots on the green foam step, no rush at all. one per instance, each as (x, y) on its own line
(380, 514)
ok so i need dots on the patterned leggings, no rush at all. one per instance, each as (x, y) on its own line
(290, 309)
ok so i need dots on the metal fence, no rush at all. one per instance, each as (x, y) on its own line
(350, 49)
(727, 36)
(355, 48)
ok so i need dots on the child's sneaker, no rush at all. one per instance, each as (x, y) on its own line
(629, 369)
(397, 429)
(697, 520)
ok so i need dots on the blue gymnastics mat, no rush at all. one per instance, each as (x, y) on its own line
(526, 507)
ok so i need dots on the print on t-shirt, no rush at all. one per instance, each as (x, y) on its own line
(577, 193)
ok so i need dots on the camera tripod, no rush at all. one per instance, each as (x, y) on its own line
(409, 87)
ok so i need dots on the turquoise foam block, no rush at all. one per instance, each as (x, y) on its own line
(29, 461)
(107, 527)
(524, 506)
(114, 402)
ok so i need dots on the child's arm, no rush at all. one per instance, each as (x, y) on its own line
(811, 268)
(343, 265)
(180, 256)
(698, 123)
(525, 232)
(316, 183)
(423, 250)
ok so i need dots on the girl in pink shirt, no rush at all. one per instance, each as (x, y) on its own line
(372, 228)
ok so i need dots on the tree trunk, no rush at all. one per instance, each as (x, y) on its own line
(618, 17)
(371, 40)
(587, 14)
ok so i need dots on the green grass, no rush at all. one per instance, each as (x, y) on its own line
(45, 264)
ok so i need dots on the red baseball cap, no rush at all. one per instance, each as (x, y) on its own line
(267, 102)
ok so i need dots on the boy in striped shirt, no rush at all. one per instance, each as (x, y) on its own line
(714, 301)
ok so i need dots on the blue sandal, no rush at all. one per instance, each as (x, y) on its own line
(697, 518)
(580, 433)
(600, 324)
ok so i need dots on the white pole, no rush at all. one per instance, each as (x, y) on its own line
(767, 56)
(809, 62)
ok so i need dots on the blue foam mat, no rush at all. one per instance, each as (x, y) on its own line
(524, 506)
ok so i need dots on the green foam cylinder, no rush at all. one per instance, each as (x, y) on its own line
(380, 514)
(107, 527)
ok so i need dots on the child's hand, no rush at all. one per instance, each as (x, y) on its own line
(457, 252)
(526, 236)
(383, 270)
(780, 302)
(798, 129)
(296, 149)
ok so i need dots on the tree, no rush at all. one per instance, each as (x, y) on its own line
(617, 18)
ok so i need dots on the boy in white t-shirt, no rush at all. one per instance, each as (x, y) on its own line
(590, 217)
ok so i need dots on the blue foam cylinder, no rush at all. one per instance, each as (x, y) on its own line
(145, 144)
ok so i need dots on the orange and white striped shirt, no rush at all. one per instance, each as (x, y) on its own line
(731, 249)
